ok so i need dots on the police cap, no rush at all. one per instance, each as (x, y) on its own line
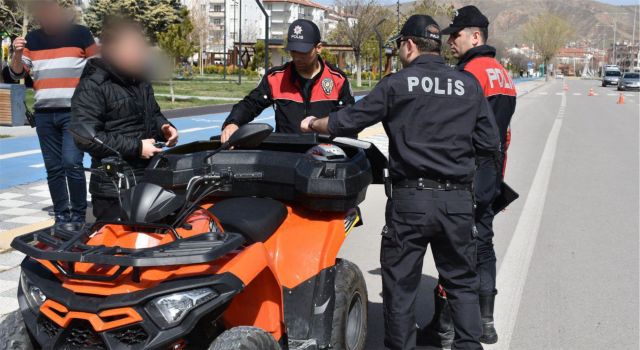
(465, 17)
(303, 35)
(418, 26)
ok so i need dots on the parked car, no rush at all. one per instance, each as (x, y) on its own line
(559, 76)
(611, 77)
(629, 80)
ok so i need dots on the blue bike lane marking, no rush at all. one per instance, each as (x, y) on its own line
(21, 168)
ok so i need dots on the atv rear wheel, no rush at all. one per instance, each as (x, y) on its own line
(244, 338)
(350, 313)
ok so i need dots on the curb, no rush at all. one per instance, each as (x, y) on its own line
(7, 236)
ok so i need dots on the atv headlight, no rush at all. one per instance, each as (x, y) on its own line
(33, 294)
(174, 307)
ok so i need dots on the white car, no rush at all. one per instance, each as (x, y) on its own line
(559, 76)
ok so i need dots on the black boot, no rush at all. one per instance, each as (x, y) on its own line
(439, 332)
(489, 335)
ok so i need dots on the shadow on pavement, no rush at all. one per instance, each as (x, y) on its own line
(424, 311)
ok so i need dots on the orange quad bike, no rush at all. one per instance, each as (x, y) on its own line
(221, 246)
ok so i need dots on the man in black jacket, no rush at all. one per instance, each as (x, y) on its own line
(467, 37)
(116, 100)
(305, 86)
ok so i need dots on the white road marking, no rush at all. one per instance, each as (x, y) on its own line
(186, 131)
(41, 165)
(612, 94)
(543, 93)
(577, 94)
(559, 93)
(19, 154)
(515, 264)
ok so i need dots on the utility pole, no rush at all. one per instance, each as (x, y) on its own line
(240, 45)
(224, 45)
(398, 14)
(380, 45)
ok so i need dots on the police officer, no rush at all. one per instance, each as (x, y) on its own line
(306, 86)
(467, 37)
(436, 119)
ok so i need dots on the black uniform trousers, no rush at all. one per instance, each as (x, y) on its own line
(414, 219)
(487, 188)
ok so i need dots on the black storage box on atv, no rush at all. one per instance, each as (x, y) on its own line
(289, 174)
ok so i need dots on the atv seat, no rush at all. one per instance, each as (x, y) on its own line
(255, 218)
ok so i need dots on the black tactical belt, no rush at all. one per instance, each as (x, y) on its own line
(426, 184)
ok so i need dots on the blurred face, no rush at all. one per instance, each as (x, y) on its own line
(464, 40)
(129, 53)
(49, 15)
(306, 61)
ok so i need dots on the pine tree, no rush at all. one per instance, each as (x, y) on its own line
(155, 15)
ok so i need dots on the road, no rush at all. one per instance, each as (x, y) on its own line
(571, 242)
(571, 278)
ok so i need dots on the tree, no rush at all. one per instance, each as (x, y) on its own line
(548, 33)
(258, 56)
(155, 15)
(12, 16)
(200, 19)
(176, 42)
(356, 27)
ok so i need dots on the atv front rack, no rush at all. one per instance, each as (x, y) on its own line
(64, 248)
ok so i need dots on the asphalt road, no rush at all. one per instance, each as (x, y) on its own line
(568, 248)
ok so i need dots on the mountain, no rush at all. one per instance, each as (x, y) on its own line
(507, 18)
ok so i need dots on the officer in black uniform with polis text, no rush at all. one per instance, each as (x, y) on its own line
(436, 119)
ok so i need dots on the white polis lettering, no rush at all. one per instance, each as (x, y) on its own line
(459, 87)
(437, 90)
(432, 85)
(497, 75)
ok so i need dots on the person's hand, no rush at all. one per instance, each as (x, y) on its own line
(306, 123)
(18, 46)
(148, 149)
(228, 131)
(170, 134)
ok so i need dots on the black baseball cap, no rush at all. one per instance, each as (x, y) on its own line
(465, 17)
(303, 35)
(418, 26)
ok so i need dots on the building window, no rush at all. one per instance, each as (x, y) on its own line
(217, 21)
(217, 8)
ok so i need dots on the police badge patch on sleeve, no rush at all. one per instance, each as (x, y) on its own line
(327, 85)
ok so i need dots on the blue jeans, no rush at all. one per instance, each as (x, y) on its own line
(67, 185)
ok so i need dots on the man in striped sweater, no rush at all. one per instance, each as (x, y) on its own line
(54, 55)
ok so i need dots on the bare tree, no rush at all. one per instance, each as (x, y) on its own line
(200, 20)
(356, 26)
(548, 33)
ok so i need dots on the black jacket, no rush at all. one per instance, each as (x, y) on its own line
(436, 118)
(495, 82)
(280, 87)
(123, 111)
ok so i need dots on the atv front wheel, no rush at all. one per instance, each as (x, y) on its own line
(14, 334)
(244, 338)
(350, 313)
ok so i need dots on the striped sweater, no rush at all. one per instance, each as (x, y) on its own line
(55, 64)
